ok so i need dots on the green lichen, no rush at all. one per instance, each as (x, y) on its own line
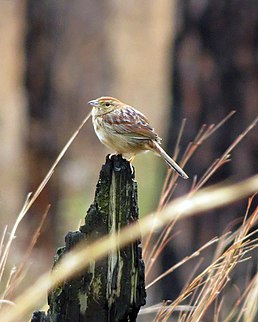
(83, 299)
(96, 287)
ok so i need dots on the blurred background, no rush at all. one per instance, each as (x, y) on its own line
(171, 59)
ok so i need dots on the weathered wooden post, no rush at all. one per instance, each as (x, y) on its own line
(113, 289)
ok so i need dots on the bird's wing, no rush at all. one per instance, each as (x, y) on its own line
(129, 121)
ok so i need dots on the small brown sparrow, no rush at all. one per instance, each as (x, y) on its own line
(126, 130)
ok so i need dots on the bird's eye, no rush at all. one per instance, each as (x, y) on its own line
(107, 104)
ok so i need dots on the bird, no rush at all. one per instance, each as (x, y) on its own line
(127, 131)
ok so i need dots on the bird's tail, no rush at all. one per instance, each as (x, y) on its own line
(170, 162)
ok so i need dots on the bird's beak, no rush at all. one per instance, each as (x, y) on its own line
(94, 103)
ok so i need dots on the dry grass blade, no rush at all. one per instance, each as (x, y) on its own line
(157, 249)
(12, 272)
(4, 251)
(151, 253)
(2, 241)
(179, 137)
(52, 169)
(164, 188)
(225, 156)
(216, 127)
(32, 197)
(11, 238)
(16, 277)
(163, 239)
(170, 184)
(183, 261)
(204, 133)
(82, 256)
(251, 302)
(236, 306)
(6, 302)
(216, 276)
(164, 307)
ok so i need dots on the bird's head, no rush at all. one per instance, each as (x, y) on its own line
(105, 104)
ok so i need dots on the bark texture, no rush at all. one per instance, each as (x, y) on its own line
(111, 289)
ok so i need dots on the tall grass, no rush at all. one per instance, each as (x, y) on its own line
(207, 286)
(202, 290)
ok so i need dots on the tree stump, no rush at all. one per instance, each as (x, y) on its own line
(112, 289)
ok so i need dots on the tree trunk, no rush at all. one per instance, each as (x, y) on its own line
(214, 72)
(111, 289)
(64, 70)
